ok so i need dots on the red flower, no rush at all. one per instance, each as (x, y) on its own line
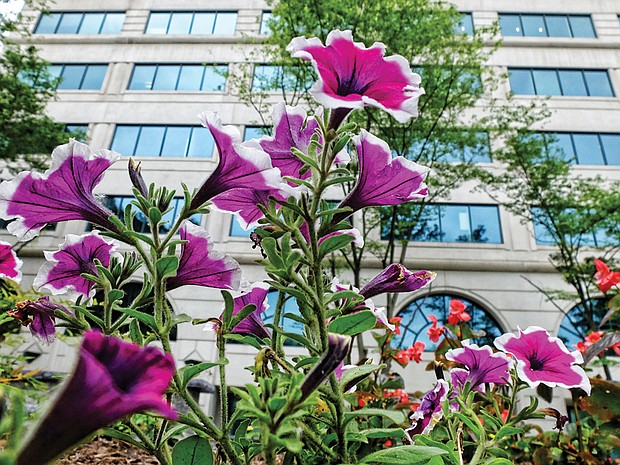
(616, 348)
(434, 333)
(605, 279)
(395, 320)
(402, 357)
(457, 312)
(415, 351)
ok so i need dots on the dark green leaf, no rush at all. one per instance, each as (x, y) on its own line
(331, 244)
(248, 339)
(143, 317)
(403, 455)
(192, 451)
(167, 267)
(353, 324)
(190, 371)
(394, 416)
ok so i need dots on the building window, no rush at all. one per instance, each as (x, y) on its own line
(471, 148)
(79, 77)
(275, 78)
(254, 132)
(576, 323)
(236, 230)
(415, 322)
(117, 205)
(601, 237)
(77, 131)
(454, 223)
(568, 82)
(466, 25)
(163, 141)
(288, 324)
(585, 148)
(80, 23)
(264, 23)
(192, 22)
(178, 77)
(543, 25)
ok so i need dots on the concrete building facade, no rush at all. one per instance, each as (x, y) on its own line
(139, 71)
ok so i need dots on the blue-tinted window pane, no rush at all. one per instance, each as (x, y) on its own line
(572, 83)
(588, 148)
(466, 25)
(142, 78)
(416, 322)
(478, 153)
(533, 26)
(113, 23)
(78, 131)
(55, 70)
(177, 141)
(264, 22)
(180, 23)
(72, 76)
(541, 233)
(201, 144)
(557, 26)
(611, 145)
(265, 77)
(582, 26)
(47, 23)
(93, 78)
(236, 230)
(158, 23)
(521, 81)
(546, 81)
(485, 225)
(69, 23)
(511, 25)
(203, 23)
(562, 147)
(214, 78)
(289, 325)
(225, 23)
(166, 77)
(150, 141)
(254, 132)
(190, 77)
(598, 84)
(428, 228)
(455, 224)
(91, 23)
(578, 322)
(125, 138)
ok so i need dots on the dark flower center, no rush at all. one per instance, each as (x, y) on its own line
(535, 363)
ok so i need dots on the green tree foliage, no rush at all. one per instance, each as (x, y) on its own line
(26, 86)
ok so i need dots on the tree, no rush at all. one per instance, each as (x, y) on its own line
(26, 86)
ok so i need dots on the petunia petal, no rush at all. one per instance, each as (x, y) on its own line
(9, 263)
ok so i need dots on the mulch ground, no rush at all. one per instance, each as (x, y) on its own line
(103, 451)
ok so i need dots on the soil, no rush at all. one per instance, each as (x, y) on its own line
(104, 451)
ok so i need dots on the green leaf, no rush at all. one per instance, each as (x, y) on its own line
(167, 266)
(507, 431)
(498, 461)
(269, 246)
(331, 244)
(248, 339)
(115, 294)
(135, 333)
(190, 371)
(353, 324)
(145, 318)
(116, 434)
(192, 451)
(380, 433)
(356, 374)
(403, 455)
(394, 416)
(154, 215)
(242, 315)
(341, 295)
(229, 306)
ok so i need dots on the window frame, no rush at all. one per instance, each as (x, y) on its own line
(558, 72)
(83, 13)
(205, 67)
(191, 25)
(543, 17)
(84, 73)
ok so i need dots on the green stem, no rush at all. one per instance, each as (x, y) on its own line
(221, 348)
(277, 318)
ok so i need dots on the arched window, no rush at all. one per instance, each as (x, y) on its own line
(577, 323)
(289, 325)
(415, 321)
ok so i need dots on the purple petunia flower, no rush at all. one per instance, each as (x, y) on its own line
(240, 165)
(253, 323)
(9, 263)
(382, 180)
(200, 265)
(62, 272)
(292, 128)
(542, 358)
(39, 317)
(430, 410)
(482, 366)
(64, 192)
(111, 380)
(337, 349)
(352, 76)
(397, 278)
